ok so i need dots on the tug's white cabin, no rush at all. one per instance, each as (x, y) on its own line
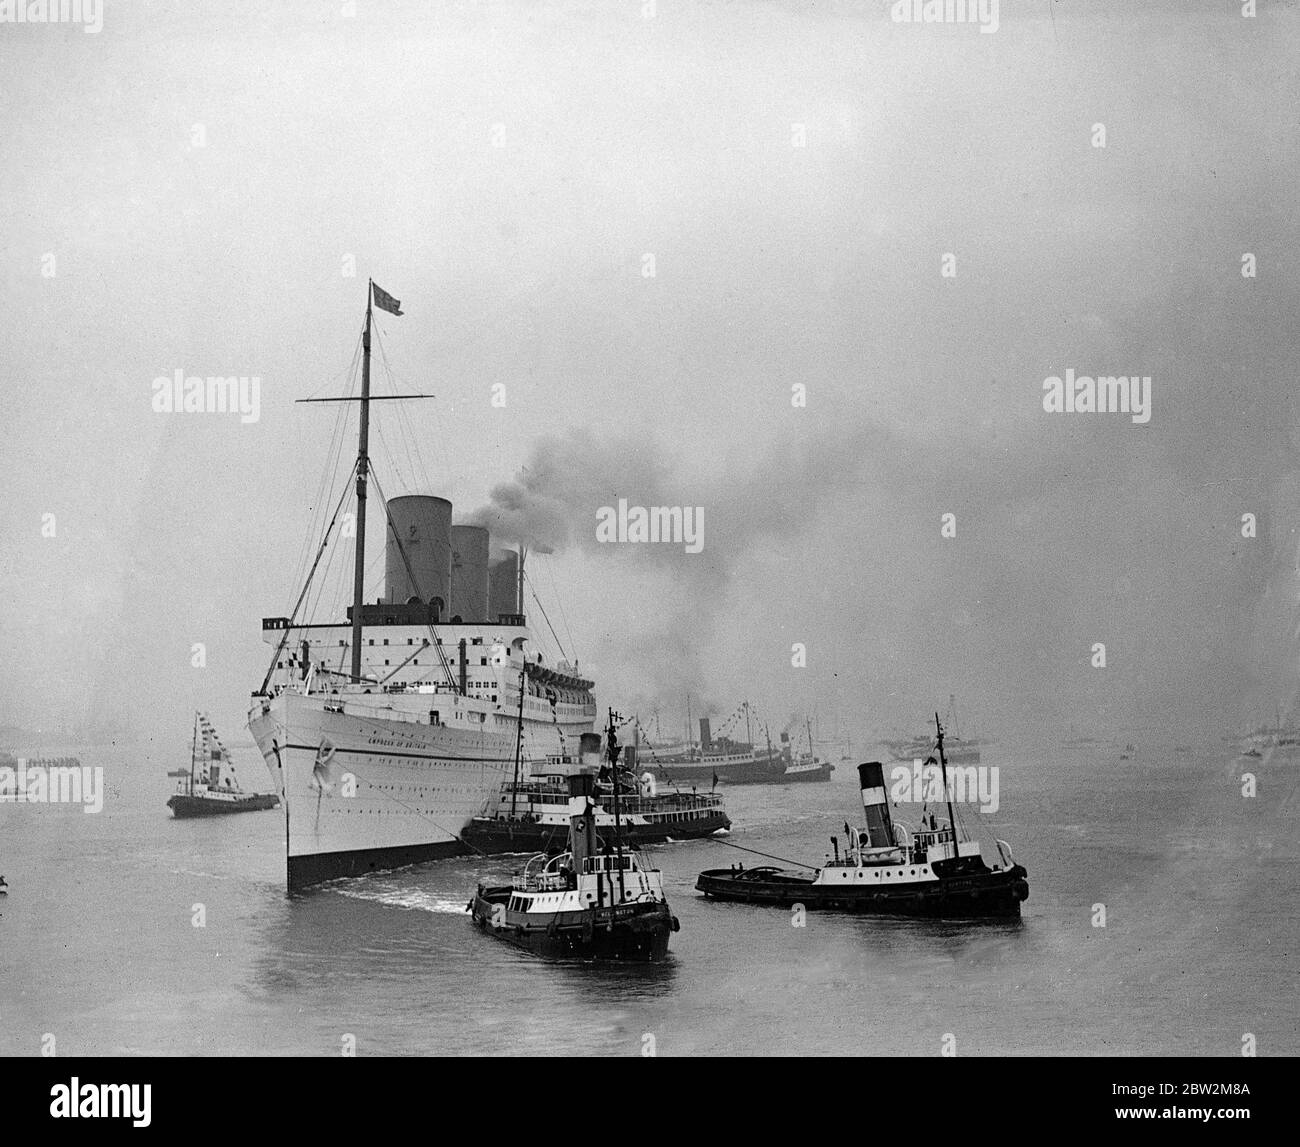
(557, 884)
(592, 874)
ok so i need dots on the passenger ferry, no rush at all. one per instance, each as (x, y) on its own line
(533, 815)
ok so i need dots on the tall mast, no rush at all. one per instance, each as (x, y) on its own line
(519, 589)
(363, 465)
(618, 826)
(943, 770)
(194, 749)
(519, 741)
(382, 299)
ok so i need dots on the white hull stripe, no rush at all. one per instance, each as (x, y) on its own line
(409, 753)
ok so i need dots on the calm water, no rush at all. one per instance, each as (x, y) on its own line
(97, 944)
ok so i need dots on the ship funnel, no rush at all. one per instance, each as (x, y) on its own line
(423, 525)
(582, 784)
(706, 736)
(503, 584)
(469, 573)
(582, 815)
(875, 805)
(590, 753)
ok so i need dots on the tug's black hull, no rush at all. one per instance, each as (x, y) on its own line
(496, 837)
(188, 806)
(632, 932)
(970, 894)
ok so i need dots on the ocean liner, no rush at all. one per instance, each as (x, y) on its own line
(385, 733)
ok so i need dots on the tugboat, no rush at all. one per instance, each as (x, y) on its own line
(802, 766)
(597, 900)
(203, 792)
(886, 869)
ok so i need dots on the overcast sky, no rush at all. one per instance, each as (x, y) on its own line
(184, 189)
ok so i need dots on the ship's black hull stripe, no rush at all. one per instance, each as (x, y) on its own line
(312, 869)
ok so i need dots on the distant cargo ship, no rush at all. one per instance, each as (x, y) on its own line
(721, 760)
(209, 788)
(959, 751)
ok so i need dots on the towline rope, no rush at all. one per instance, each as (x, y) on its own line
(768, 855)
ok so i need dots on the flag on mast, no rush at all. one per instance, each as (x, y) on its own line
(384, 301)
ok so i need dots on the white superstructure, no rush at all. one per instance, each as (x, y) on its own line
(386, 774)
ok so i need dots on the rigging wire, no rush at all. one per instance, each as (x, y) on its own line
(294, 615)
(405, 422)
(559, 601)
(333, 456)
(663, 768)
(540, 606)
(313, 608)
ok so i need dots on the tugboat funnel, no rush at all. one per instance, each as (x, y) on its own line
(875, 805)
(582, 820)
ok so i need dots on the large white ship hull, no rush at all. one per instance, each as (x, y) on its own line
(362, 793)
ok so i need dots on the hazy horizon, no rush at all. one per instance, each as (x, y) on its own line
(187, 190)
